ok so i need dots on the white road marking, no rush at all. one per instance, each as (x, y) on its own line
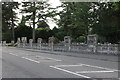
(30, 59)
(49, 58)
(99, 67)
(69, 72)
(13, 54)
(54, 59)
(95, 71)
(68, 65)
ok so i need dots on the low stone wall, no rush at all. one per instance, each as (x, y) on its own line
(75, 47)
(67, 46)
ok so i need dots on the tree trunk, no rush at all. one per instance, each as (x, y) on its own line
(34, 13)
(13, 30)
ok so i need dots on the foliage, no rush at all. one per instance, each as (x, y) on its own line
(22, 30)
(9, 18)
(43, 33)
(37, 12)
(106, 21)
(74, 18)
(81, 39)
(81, 19)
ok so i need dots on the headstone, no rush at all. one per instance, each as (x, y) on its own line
(92, 42)
(51, 42)
(39, 41)
(67, 42)
(24, 41)
(31, 42)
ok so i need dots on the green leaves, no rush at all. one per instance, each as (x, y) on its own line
(75, 18)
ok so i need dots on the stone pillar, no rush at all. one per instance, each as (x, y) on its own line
(30, 43)
(119, 49)
(4, 43)
(18, 42)
(12, 42)
(51, 42)
(67, 42)
(92, 42)
(24, 41)
(108, 48)
(0, 43)
(39, 43)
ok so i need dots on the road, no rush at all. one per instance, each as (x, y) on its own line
(21, 63)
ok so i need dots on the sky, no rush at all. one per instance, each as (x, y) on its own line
(51, 23)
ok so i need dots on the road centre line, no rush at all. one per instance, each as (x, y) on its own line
(94, 71)
(30, 60)
(69, 72)
(99, 67)
(13, 54)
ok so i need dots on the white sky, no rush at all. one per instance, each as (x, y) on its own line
(53, 3)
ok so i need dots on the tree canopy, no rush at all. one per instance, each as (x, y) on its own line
(77, 19)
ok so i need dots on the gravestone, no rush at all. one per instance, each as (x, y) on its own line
(51, 42)
(92, 42)
(31, 42)
(39, 43)
(18, 42)
(67, 42)
(24, 41)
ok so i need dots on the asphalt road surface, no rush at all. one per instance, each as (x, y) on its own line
(21, 63)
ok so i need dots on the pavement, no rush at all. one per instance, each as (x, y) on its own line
(30, 63)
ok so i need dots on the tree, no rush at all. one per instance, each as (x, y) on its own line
(44, 33)
(9, 17)
(23, 30)
(106, 21)
(37, 12)
(75, 18)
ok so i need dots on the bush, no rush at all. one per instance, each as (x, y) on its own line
(81, 39)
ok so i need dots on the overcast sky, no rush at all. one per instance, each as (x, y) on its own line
(53, 3)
